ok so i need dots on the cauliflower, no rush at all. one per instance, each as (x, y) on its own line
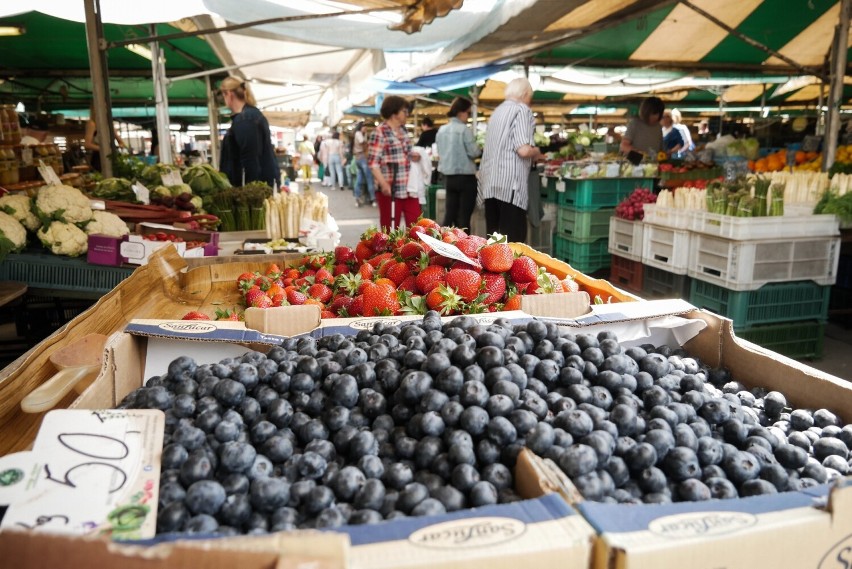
(20, 207)
(105, 223)
(64, 239)
(63, 203)
(11, 229)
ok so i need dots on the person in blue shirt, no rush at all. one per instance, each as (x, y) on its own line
(456, 151)
(673, 141)
(247, 153)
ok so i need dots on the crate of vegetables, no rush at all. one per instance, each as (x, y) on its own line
(774, 227)
(208, 240)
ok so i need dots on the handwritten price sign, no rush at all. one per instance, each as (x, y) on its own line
(93, 472)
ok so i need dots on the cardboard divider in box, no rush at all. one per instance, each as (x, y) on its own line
(595, 287)
(790, 529)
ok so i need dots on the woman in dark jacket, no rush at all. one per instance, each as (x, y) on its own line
(247, 153)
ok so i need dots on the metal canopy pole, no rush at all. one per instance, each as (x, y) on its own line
(213, 119)
(100, 85)
(835, 92)
(161, 98)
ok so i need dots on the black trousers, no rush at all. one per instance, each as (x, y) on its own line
(507, 219)
(460, 200)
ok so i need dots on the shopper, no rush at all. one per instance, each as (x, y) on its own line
(90, 142)
(427, 134)
(321, 173)
(506, 162)
(364, 176)
(677, 122)
(672, 140)
(306, 159)
(643, 133)
(247, 154)
(456, 151)
(333, 156)
(390, 157)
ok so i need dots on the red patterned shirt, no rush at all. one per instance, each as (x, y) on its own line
(389, 151)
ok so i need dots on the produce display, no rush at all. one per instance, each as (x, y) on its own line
(119, 189)
(424, 417)
(285, 211)
(178, 196)
(396, 273)
(152, 175)
(241, 209)
(631, 207)
(205, 180)
(838, 199)
(750, 197)
(842, 161)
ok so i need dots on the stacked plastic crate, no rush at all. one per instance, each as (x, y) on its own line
(772, 276)
(585, 207)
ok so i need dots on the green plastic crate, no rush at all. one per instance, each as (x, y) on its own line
(584, 257)
(54, 272)
(659, 283)
(595, 193)
(770, 304)
(548, 190)
(794, 340)
(583, 226)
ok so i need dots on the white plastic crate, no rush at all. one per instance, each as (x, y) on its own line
(666, 248)
(745, 228)
(671, 217)
(748, 265)
(625, 238)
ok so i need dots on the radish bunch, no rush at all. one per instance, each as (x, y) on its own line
(632, 207)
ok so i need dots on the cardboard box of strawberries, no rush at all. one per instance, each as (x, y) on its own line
(406, 272)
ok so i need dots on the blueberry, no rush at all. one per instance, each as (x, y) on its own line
(540, 438)
(474, 419)
(709, 451)
(261, 467)
(330, 518)
(202, 523)
(312, 465)
(363, 443)
(173, 517)
(828, 446)
(191, 438)
(640, 456)
(196, 467)
(577, 423)
(236, 510)
(236, 456)
(278, 448)
(741, 467)
(483, 493)
(501, 431)
(344, 391)
(174, 455)
(757, 487)
(773, 403)
(464, 476)
(652, 480)
(693, 490)
(229, 393)
(473, 394)
(681, 463)
(268, 494)
(578, 459)
(235, 483)
(487, 452)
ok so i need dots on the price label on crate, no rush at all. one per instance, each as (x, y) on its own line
(448, 250)
(48, 174)
(172, 179)
(560, 186)
(142, 193)
(543, 181)
(92, 472)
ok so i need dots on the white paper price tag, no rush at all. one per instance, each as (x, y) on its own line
(560, 186)
(48, 174)
(172, 179)
(448, 250)
(94, 472)
(27, 156)
(142, 193)
(543, 181)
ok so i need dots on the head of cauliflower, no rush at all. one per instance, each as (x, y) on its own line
(106, 223)
(20, 207)
(11, 229)
(64, 239)
(63, 203)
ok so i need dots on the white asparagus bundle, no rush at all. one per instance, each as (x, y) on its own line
(285, 210)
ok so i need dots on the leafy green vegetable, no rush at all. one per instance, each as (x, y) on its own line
(841, 206)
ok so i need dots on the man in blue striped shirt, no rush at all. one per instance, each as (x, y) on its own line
(506, 163)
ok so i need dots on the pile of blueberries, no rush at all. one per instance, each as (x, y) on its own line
(424, 417)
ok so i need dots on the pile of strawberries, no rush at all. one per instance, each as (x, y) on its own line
(391, 273)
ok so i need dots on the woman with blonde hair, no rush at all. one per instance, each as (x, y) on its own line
(247, 153)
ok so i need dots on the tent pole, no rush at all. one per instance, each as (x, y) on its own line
(474, 112)
(213, 119)
(820, 125)
(100, 84)
(161, 98)
(835, 91)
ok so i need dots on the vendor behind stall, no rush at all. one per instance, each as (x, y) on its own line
(643, 133)
(247, 154)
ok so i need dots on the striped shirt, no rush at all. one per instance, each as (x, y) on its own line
(502, 173)
(389, 151)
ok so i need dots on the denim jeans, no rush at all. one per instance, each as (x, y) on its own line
(335, 170)
(364, 175)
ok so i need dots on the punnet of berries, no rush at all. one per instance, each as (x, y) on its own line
(395, 273)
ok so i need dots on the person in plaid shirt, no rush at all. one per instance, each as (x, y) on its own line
(390, 160)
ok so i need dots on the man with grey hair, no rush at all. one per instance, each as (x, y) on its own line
(507, 158)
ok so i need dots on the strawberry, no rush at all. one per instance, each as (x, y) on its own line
(409, 284)
(343, 254)
(340, 302)
(291, 273)
(195, 315)
(494, 286)
(469, 246)
(327, 314)
(427, 223)
(524, 270)
(279, 299)
(430, 277)
(377, 260)
(323, 276)
(245, 277)
(357, 306)
(458, 232)
(348, 284)
(398, 272)
(379, 242)
(449, 237)
(366, 271)
(513, 303)
(380, 300)
(417, 230)
(320, 292)
(412, 303)
(262, 301)
(443, 299)
(411, 250)
(273, 271)
(436, 259)
(466, 283)
(253, 294)
(570, 285)
(295, 296)
(363, 251)
(274, 289)
(340, 269)
(496, 257)
(227, 314)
